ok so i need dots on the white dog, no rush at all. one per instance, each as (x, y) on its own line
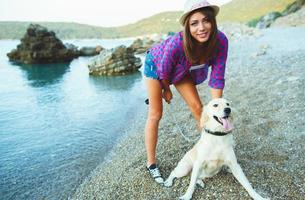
(213, 150)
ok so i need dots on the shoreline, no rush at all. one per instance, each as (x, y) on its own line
(266, 90)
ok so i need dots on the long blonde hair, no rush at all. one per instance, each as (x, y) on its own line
(189, 43)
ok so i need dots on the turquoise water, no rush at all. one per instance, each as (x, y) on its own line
(57, 123)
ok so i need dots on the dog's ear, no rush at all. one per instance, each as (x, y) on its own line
(204, 117)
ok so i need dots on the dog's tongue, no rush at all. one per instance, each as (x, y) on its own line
(226, 124)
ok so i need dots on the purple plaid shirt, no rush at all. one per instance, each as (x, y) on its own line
(172, 64)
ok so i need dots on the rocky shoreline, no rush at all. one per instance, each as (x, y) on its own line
(267, 94)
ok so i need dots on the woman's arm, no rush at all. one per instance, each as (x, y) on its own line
(166, 91)
(165, 84)
(217, 77)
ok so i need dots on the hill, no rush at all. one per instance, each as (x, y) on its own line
(15, 30)
(162, 23)
(245, 10)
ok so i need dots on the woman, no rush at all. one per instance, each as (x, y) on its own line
(183, 60)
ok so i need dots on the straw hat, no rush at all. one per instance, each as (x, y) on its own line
(191, 5)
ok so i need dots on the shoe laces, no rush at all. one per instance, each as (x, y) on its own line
(155, 172)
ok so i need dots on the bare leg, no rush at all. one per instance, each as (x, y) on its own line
(189, 92)
(154, 116)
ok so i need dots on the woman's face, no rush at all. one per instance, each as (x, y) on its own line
(200, 27)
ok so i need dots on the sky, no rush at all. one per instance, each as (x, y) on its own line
(104, 13)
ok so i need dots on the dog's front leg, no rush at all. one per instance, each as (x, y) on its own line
(182, 169)
(194, 177)
(240, 176)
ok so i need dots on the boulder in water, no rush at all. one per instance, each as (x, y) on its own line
(39, 46)
(140, 46)
(116, 61)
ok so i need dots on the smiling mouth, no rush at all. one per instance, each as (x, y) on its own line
(218, 120)
(202, 34)
(224, 121)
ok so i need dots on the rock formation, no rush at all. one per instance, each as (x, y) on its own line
(267, 20)
(41, 46)
(116, 61)
(140, 46)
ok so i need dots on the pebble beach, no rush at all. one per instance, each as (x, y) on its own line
(265, 83)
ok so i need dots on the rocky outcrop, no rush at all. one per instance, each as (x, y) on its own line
(117, 61)
(267, 20)
(295, 6)
(294, 19)
(41, 46)
(140, 46)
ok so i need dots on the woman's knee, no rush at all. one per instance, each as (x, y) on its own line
(155, 115)
(196, 108)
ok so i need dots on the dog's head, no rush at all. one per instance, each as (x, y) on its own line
(217, 116)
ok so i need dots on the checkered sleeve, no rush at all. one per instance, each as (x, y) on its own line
(168, 58)
(217, 76)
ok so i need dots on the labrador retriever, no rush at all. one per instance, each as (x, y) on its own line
(214, 150)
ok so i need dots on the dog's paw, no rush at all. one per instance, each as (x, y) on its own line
(200, 183)
(227, 169)
(185, 197)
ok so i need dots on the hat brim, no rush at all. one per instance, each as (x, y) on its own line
(183, 17)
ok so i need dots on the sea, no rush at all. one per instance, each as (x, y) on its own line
(58, 123)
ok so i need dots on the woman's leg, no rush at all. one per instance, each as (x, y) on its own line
(189, 92)
(154, 116)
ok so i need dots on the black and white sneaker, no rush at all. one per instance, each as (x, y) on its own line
(155, 173)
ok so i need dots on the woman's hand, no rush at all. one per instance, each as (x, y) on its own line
(167, 95)
(216, 93)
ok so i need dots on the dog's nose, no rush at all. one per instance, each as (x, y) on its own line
(227, 111)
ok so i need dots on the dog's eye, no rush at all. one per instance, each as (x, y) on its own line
(228, 104)
(215, 105)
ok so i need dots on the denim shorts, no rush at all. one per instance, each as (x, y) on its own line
(150, 70)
